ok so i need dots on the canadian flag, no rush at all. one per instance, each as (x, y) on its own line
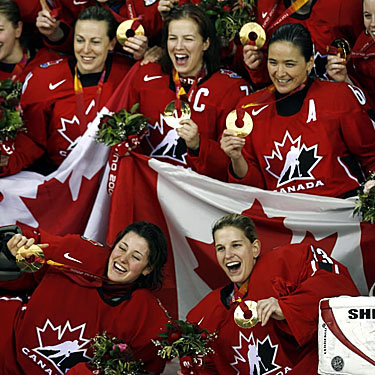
(75, 199)
(185, 205)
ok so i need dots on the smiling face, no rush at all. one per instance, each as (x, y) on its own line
(186, 46)
(369, 15)
(287, 66)
(129, 259)
(235, 253)
(10, 49)
(91, 45)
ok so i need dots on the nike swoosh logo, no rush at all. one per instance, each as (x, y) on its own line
(67, 256)
(264, 14)
(147, 78)
(54, 86)
(79, 2)
(257, 111)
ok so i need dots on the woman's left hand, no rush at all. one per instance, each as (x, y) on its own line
(189, 132)
(137, 46)
(269, 308)
(153, 54)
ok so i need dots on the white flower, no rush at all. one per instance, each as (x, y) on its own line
(368, 185)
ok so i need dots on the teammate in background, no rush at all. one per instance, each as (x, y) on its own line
(62, 97)
(286, 283)
(146, 9)
(55, 25)
(50, 330)
(189, 71)
(360, 68)
(17, 57)
(326, 20)
(325, 121)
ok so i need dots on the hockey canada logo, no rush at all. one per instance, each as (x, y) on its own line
(255, 357)
(60, 348)
(292, 160)
(171, 146)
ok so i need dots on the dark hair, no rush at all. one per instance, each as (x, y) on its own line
(97, 13)
(10, 10)
(296, 34)
(241, 222)
(206, 30)
(157, 244)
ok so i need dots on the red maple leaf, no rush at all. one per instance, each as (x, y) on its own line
(208, 270)
(55, 210)
(327, 243)
(271, 231)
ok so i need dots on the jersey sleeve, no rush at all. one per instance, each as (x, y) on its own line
(212, 160)
(320, 276)
(23, 153)
(358, 130)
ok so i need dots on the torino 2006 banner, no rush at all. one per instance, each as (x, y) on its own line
(75, 199)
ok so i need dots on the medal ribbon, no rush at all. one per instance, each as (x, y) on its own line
(20, 66)
(269, 92)
(80, 99)
(238, 297)
(137, 22)
(288, 12)
(180, 91)
(66, 268)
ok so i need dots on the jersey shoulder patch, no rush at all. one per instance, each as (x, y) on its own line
(50, 63)
(229, 73)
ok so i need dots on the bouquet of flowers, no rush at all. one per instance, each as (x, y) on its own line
(229, 15)
(111, 357)
(365, 203)
(11, 121)
(187, 341)
(122, 127)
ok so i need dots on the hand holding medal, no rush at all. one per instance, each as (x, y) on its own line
(246, 318)
(341, 48)
(173, 114)
(30, 259)
(129, 29)
(239, 122)
(252, 33)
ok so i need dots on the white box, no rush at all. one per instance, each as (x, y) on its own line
(347, 336)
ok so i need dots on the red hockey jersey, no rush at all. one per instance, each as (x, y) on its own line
(315, 150)
(298, 276)
(10, 71)
(52, 331)
(147, 10)
(363, 64)
(50, 105)
(213, 99)
(327, 21)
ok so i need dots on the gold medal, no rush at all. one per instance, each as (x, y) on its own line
(171, 116)
(125, 31)
(245, 130)
(31, 259)
(340, 46)
(252, 32)
(240, 319)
